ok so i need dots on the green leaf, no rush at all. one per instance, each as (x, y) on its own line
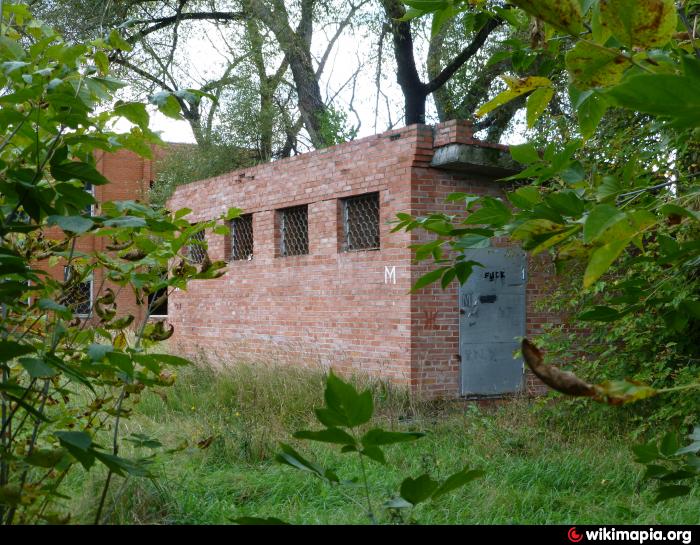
(47, 458)
(525, 197)
(516, 87)
(116, 41)
(537, 103)
(427, 5)
(167, 104)
(329, 435)
(594, 66)
(620, 392)
(418, 490)
(640, 23)
(428, 278)
(397, 503)
(590, 112)
(73, 224)
(376, 437)
(10, 350)
(645, 453)
(524, 153)
(77, 439)
(566, 203)
(98, 352)
(601, 259)
(84, 172)
(134, 112)
(675, 210)
(343, 400)
(167, 359)
(37, 368)
(671, 491)
(666, 95)
(374, 453)
(457, 480)
(125, 221)
(670, 444)
(292, 458)
(492, 212)
(600, 314)
(561, 14)
(599, 220)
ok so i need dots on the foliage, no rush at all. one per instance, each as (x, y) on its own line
(335, 128)
(185, 163)
(623, 218)
(668, 464)
(542, 465)
(55, 118)
(344, 416)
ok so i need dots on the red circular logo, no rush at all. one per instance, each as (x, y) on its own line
(573, 535)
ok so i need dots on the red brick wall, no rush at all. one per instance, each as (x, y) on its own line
(328, 307)
(129, 176)
(332, 308)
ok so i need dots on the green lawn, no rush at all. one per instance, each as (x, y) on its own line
(543, 464)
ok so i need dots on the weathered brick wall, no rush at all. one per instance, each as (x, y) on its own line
(325, 308)
(434, 311)
(334, 308)
(129, 176)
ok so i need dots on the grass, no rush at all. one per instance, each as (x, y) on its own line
(543, 466)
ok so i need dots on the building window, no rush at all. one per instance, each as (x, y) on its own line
(361, 222)
(294, 230)
(196, 250)
(90, 208)
(78, 296)
(241, 241)
(161, 309)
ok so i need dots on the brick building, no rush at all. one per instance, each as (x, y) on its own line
(317, 278)
(130, 176)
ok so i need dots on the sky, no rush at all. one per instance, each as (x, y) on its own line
(206, 50)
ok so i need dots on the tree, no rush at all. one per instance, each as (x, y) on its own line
(618, 211)
(69, 373)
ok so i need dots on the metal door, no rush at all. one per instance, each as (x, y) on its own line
(492, 316)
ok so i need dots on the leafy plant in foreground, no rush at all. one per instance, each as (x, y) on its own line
(625, 222)
(669, 464)
(69, 375)
(345, 417)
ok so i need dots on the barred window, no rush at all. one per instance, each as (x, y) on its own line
(294, 230)
(241, 238)
(196, 251)
(361, 222)
(78, 296)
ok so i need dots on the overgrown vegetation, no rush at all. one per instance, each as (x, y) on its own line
(73, 363)
(541, 465)
(185, 163)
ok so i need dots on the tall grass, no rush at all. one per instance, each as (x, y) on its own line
(542, 466)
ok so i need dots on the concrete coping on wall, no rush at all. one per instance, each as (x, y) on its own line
(475, 159)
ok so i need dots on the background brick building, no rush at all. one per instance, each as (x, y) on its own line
(336, 299)
(130, 177)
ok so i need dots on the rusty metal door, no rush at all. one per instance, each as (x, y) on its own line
(492, 317)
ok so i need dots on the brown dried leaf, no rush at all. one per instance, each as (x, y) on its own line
(561, 381)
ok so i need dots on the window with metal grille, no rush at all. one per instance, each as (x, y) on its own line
(241, 238)
(78, 296)
(294, 230)
(361, 222)
(196, 252)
